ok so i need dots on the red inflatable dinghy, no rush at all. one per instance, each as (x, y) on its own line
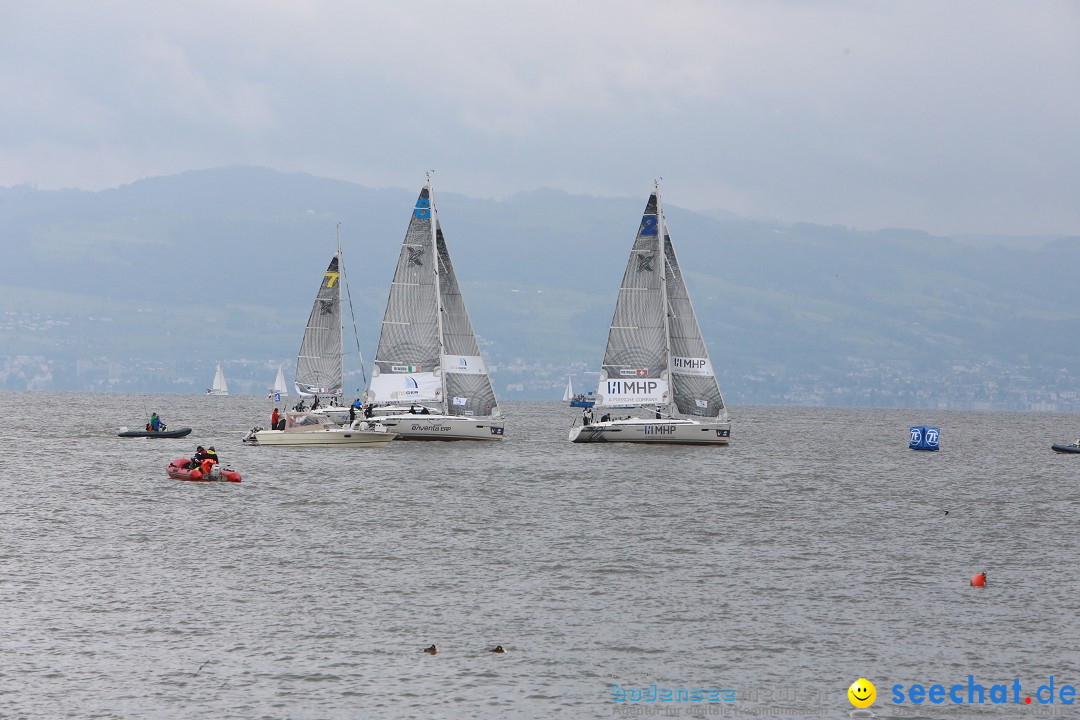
(207, 471)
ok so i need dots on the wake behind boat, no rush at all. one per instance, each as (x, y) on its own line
(655, 354)
(427, 353)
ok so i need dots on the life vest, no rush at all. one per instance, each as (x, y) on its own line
(206, 465)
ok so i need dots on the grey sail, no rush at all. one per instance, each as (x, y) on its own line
(636, 359)
(319, 362)
(407, 360)
(468, 387)
(693, 382)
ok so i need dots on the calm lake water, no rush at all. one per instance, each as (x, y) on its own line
(813, 551)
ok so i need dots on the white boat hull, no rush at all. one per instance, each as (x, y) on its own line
(665, 431)
(339, 437)
(443, 427)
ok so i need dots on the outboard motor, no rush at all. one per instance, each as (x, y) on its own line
(215, 472)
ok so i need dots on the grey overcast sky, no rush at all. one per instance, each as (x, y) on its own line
(953, 117)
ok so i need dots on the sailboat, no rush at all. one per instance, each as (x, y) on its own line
(280, 391)
(655, 354)
(579, 400)
(428, 358)
(219, 387)
(320, 373)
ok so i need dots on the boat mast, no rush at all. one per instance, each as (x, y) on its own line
(341, 279)
(661, 236)
(438, 293)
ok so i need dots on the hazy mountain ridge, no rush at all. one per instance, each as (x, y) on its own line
(226, 262)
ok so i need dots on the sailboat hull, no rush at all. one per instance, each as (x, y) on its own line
(324, 438)
(442, 427)
(654, 432)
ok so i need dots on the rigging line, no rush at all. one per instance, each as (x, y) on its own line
(352, 314)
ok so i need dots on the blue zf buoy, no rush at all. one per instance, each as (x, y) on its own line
(924, 438)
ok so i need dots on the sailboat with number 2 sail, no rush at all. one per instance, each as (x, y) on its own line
(428, 358)
(655, 354)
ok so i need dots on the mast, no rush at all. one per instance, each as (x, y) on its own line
(341, 269)
(662, 251)
(438, 293)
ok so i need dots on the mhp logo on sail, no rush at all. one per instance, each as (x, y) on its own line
(688, 363)
(631, 387)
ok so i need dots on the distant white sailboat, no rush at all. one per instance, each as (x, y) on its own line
(655, 355)
(219, 387)
(568, 394)
(280, 391)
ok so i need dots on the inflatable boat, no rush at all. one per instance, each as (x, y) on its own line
(177, 433)
(207, 471)
(1070, 448)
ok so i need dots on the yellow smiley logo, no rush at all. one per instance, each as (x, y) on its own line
(862, 693)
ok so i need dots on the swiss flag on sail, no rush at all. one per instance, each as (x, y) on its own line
(643, 373)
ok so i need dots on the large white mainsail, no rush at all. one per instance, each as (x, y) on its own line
(427, 352)
(655, 354)
(319, 369)
(407, 360)
(635, 369)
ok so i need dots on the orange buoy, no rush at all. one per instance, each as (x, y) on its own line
(979, 579)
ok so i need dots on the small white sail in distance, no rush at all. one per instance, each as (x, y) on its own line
(568, 395)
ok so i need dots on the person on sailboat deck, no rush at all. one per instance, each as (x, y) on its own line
(368, 410)
(352, 413)
(606, 417)
(586, 416)
(274, 419)
(315, 403)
